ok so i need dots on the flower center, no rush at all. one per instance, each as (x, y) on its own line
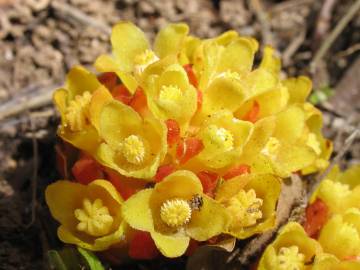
(133, 149)
(313, 143)
(271, 147)
(290, 258)
(143, 60)
(76, 114)
(170, 93)
(229, 75)
(217, 139)
(94, 218)
(244, 207)
(175, 212)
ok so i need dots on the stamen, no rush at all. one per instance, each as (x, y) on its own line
(175, 212)
(143, 60)
(94, 218)
(133, 149)
(289, 258)
(244, 207)
(170, 93)
(76, 115)
(217, 139)
(271, 147)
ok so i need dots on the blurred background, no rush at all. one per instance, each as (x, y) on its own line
(40, 40)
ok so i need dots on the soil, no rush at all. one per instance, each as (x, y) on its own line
(41, 40)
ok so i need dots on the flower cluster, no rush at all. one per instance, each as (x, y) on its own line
(174, 145)
(330, 236)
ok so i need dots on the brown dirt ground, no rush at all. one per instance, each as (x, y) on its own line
(40, 41)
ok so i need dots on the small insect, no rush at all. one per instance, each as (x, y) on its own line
(196, 202)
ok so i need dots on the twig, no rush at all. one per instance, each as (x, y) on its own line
(289, 4)
(27, 101)
(323, 22)
(352, 49)
(348, 142)
(35, 174)
(351, 12)
(70, 11)
(293, 47)
(263, 19)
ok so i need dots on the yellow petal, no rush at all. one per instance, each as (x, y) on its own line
(180, 184)
(118, 121)
(223, 93)
(98, 244)
(270, 62)
(79, 80)
(99, 98)
(341, 234)
(99, 186)
(290, 125)
(240, 48)
(86, 139)
(136, 211)
(299, 89)
(63, 197)
(170, 39)
(169, 245)
(127, 41)
(60, 98)
(211, 220)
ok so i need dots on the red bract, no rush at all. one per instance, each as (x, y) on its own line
(193, 245)
(199, 99)
(188, 149)
(209, 182)
(191, 75)
(121, 93)
(316, 216)
(138, 102)
(142, 247)
(164, 171)
(126, 191)
(108, 79)
(236, 171)
(86, 170)
(253, 114)
(173, 135)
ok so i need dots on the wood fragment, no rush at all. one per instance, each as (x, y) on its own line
(67, 11)
(325, 46)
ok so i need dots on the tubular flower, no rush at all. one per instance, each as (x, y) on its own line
(79, 103)
(132, 53)
(174, 211)
(340, 236)
(288, 148)
(250, 200)
(89, 216)
(171, 96)
(132, 146)
(330, 262)
(292, 249)
(340, 191)
(223, 138)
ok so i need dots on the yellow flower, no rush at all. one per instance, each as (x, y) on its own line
(89, 216)
(132, 146)
(171, 96)
(330, 262)
(174, 211)
(315, 139)
(250, 200)
(340, 191)
(79, 103)
(132, 52)
(288, 148)
(223, 138)
(341, 234)
(292, 249)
